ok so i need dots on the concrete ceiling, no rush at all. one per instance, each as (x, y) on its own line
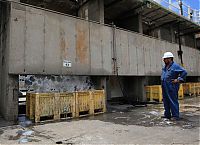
(152, 13)
(63, 6)
(117, 9)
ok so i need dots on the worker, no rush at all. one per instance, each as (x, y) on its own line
(172, 75)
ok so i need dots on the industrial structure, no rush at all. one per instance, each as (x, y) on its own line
(69, 45)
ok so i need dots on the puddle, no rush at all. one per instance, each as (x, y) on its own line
(151, 115)
(26, 140)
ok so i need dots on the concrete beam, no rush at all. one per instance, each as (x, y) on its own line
(133, 23)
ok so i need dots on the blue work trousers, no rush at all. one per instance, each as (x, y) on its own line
(170, 99)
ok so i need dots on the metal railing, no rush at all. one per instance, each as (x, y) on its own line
(182, 9)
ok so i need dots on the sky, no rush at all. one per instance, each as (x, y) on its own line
(195, 4)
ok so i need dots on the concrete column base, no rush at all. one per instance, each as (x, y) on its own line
(9, 98)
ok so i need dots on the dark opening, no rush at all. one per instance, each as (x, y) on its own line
(83, 113)
(66, 115)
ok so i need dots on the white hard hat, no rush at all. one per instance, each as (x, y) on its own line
(167, 55)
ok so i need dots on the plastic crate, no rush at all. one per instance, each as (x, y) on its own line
(180, 92)
(30, 106)
(67, 105)
(55, 106)
(42, 105)
(155, 92)
(99, 101)
(186, 88)
(191, 89)
(147, 89)
(84, 103)
(197, 89)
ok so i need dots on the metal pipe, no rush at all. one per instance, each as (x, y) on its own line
(181, 6)
(180, 52)
(114, 57)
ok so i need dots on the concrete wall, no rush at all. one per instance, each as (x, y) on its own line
(47, 39)
(190, 40)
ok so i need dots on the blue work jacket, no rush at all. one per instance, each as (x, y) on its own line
(174, 71)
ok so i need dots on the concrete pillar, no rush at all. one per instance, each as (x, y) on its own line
(133, 23)
(198, 79)
(139, 90)
(159, 33)
(9, 83)
(114, 87)
(183, 40)
(10, 97)
(195, 42)
(92, 10)
(1, 39)
(172, 34)
(135, 88)
(140, 27)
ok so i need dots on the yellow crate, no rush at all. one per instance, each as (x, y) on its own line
(180, 92)
(147, 89)
(197, 89)
(186, 88)
(99, 101)
(155, 92)
(44, 105)
(30, 109)
(41, 105)
(84, 103)
(67, 104)
(191, 88)
(64, 105)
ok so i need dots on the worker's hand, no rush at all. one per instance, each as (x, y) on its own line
(174, 81)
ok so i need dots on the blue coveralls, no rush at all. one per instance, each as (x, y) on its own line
(170, 90)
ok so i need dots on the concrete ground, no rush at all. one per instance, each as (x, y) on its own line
(123, 124)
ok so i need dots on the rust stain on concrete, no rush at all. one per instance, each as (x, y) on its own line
(81, 43)
(64, 46)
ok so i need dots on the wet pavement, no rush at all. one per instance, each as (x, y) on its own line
(150, 115)
(121, 124)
